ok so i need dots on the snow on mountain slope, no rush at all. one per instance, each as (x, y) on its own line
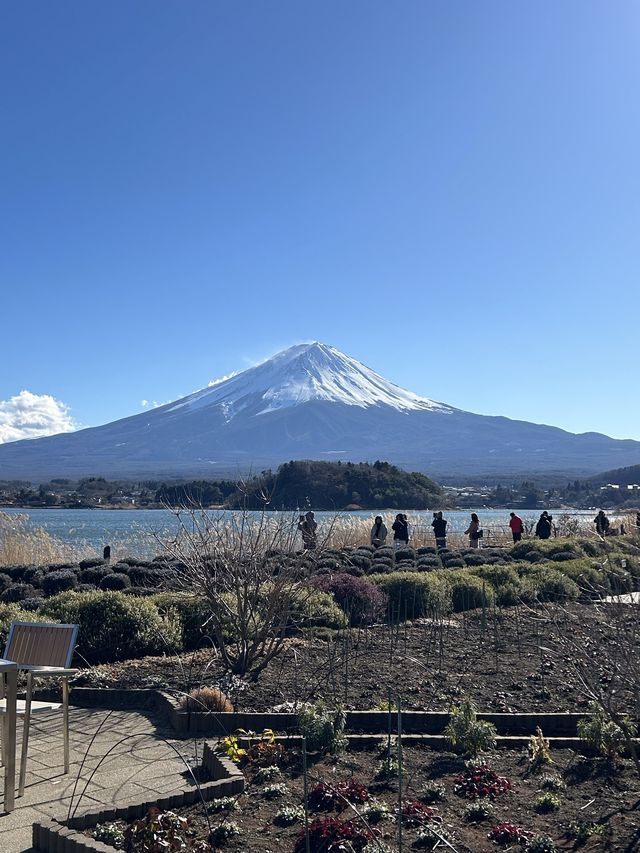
(301, 374)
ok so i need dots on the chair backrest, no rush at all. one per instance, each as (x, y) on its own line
(41, 644)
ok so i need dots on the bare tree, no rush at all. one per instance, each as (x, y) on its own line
(249, 568)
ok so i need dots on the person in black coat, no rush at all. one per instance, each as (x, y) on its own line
(400, 529)
(439, 525)
(543, 527)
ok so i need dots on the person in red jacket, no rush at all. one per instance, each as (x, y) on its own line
(516, 525)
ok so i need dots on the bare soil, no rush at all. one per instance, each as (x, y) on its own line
(502, 659)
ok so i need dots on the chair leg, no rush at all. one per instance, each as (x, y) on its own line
(25, 734)
(65, 722)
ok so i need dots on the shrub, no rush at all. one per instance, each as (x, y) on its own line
(327, 797)
(154, 575)
(193, 612)
(91, 562)
(16, 613)
(603, 735)
(334, 835)
(562, 556)
(375, 811)
(207, 699)
(109, 833)
(5, 581)
(546, 584)
(539, 753)
(468, 591)
(431, 837)
(94, 574)
(115, 581)
(322, 728)
(61, 581)
(31, 604)
(267, 774)
(465, 733)
(412, 594)
(454, 563)
(113, 626)
(480, 782)
(33, 575)
(275, 791)
(316, 609)
(223, 832)
(405, 554)
(360, 599)
(17, 592)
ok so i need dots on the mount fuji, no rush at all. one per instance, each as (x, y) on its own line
(310, 402)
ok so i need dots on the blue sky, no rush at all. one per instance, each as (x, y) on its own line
(448, 191)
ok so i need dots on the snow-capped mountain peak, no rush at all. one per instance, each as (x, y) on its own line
(301, 374)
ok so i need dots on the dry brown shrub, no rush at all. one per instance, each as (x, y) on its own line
(207, 699)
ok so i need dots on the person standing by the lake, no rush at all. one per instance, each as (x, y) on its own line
(400, 529)
(602, 524)
(473, 531)
(543, 527)
(308, 526)
(517, 526)
(439, 525)
(378, 532)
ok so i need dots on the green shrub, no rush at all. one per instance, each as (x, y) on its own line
(313, 608)
(113, 626)
(414, 594)
(587, 574)
(545, 584)
(468, 591)
(14, 613)
(17, 592)
(603, 735)
(193, 611)
(465, 733)
(323, 728)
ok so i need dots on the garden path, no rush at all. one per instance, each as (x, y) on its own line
(140, 766)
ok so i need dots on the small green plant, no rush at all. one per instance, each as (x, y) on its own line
(267, 774)
(109, 833)
(376, 811)
(275, 791)
(288, 815)
(477, 812)
(552, 782)
(224, 832)
(541, 844)
(323, 728)
(224, 804)
(546, 803)
(433, 792)
(230, 747)
(582, 830)
(388, 768)
(466, 734)
(603, 735)
(539, 752)
(432, 837)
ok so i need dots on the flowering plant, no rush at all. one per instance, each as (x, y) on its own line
(480, 781)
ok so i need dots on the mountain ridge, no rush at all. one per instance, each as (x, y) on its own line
(311, 401)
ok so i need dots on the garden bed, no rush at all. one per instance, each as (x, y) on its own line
(499, 658)
(585, 796)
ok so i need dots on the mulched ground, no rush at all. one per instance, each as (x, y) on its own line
(595, 795)
(506, 661)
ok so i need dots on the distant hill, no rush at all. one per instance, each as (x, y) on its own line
(310, 402)
(338, 485)
(622, 476)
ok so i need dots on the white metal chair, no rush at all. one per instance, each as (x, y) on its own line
(41, 650)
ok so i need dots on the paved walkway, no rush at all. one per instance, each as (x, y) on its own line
(135, 767)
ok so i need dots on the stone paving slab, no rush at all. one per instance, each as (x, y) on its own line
(137, 761)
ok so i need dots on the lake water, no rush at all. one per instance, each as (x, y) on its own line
(135, 529)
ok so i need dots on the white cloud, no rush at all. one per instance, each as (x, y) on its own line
(152, 404)
(28, 415)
